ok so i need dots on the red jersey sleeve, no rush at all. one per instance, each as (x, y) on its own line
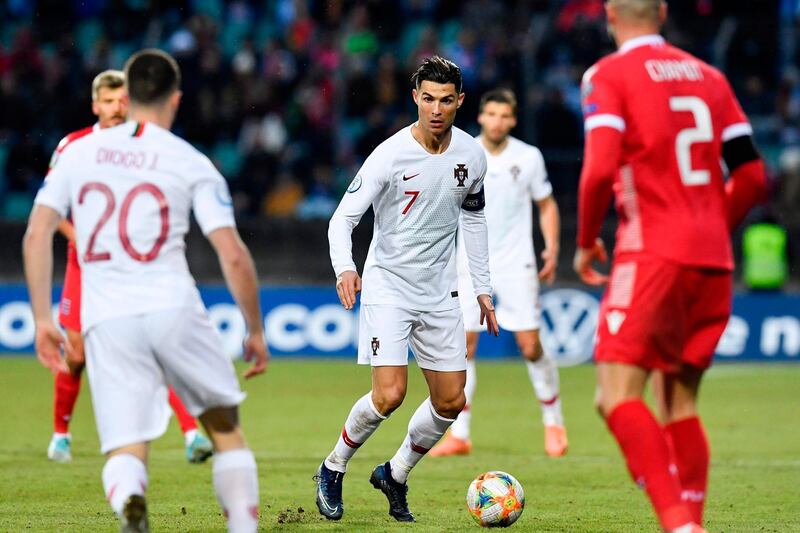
(604, 124)
(602, 100)
(730, 117)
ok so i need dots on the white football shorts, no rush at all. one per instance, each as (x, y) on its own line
(131, 361)
(436, 338)
(516, 302)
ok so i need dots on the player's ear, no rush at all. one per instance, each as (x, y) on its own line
(175, 99)
(95, 108)
(460, 99)
(662, 13)
(611, 13)
(414, 96)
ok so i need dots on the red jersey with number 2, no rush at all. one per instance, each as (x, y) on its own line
(674, 112)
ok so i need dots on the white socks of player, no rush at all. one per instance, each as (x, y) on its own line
(362, 422)
(123, 476)
(236, 485)
(424, 430)
(460, 428)
(544, 377)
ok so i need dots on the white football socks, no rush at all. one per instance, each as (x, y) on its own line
(425, 429)
(236, 485)
(460, 428)
(543, 374)
(362, 422)
(123, 476)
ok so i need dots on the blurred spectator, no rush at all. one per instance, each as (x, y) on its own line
(287, 97)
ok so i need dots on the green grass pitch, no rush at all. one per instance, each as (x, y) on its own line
(293, 415)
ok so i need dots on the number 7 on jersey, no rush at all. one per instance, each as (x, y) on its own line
(413, 195)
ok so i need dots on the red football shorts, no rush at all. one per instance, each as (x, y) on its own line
(659, 315)
(69, 311)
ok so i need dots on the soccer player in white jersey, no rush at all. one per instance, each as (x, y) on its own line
(516, 177)
(131, 189)
(418, 182)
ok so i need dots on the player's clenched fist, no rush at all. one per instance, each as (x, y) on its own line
(255, 351)
(487, 314)
(348, 284)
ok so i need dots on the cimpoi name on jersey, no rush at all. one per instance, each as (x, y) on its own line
(461, 174)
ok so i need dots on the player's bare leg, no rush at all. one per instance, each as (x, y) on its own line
(641, 440)
(125, 483)
(235, 472)
(457, 441)
(677, 398)
(389, 385)
(543, 373)
(426, 427)
(67, 388)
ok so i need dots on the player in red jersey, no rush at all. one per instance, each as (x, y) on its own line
(109, 104)
(658, 123)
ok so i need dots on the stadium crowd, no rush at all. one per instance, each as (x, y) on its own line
(289, 96)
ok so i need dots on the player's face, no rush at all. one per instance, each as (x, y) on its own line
(437, 104)
(497, 120)
(111, 106)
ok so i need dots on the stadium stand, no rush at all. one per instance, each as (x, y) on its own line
(288, 96)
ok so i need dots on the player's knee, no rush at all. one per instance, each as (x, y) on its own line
(532, 352)
(449, 407)
(388, 399)
(76, 360)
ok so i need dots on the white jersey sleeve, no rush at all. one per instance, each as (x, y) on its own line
(54, 192)
(541, 187)
(211, 200)
(370, 180)
(475, 234)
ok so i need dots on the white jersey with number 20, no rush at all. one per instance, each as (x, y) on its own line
(130, 190)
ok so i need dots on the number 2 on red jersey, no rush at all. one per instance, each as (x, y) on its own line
(702, 132)
(91, 255)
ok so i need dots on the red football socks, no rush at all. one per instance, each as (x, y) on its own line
(186, 421)
(645, 448)
(692, 457)
(65, 395)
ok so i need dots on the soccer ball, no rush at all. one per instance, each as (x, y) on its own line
(495, 499)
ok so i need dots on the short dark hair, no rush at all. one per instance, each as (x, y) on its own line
(151, 76)
(439, 70)
(501, 96)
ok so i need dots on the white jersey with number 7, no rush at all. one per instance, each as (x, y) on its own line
(130, 190)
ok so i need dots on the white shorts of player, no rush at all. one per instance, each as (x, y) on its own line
(131, 360)
(516, 302)
(436, 338)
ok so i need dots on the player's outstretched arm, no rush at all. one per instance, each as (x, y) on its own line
(37, 251)
(240, 276)
(550, 224)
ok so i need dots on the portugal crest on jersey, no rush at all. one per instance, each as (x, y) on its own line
(375, 345)
(461, 173)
